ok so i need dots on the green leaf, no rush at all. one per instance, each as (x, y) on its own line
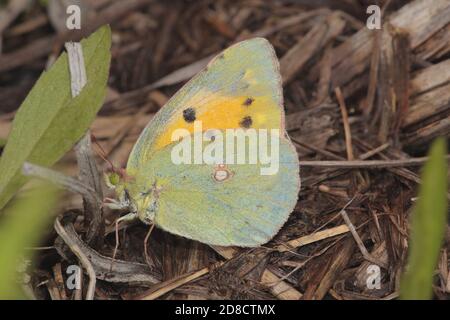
(21, 227)
(429, 220)
(49, 122)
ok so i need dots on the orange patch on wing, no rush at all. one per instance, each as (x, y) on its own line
(226, 113)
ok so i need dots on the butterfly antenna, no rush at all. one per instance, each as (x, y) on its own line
(102, 153)
(147, 258)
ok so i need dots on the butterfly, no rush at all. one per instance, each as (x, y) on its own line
(226, 204)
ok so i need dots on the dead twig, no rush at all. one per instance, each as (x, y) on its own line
(348, 133)
(59, 179)
(367, 164)
(314, 237)
(81, 256)
(90, 176)
(278, 288)
(11, 12)
(357, 238)
(130, 273)
(167, 286)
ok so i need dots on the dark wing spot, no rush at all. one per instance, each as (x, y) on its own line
(189, 115)
(221, 56)
(248, 102)
(246, 122)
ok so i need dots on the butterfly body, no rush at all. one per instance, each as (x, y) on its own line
(218, 203)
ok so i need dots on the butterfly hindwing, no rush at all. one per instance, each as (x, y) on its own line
(245, 209)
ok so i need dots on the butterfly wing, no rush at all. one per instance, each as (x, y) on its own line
(241, 87)
(247, 209)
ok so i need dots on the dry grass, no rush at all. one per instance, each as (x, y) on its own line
(350, 94)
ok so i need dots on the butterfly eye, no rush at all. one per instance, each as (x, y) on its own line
(112, 180)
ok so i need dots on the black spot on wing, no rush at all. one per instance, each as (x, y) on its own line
(189, 115)
(248, 102)
(246, 122)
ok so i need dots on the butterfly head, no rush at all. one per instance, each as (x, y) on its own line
(120, 182)
(141, 199)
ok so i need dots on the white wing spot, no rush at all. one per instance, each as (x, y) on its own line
(221, 173)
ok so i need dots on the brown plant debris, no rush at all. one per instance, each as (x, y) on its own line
(362, 107)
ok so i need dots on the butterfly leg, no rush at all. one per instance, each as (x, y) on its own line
(147, 258)
(113, 204)
(126, 218)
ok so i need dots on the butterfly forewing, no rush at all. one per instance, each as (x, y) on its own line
(241, 87)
